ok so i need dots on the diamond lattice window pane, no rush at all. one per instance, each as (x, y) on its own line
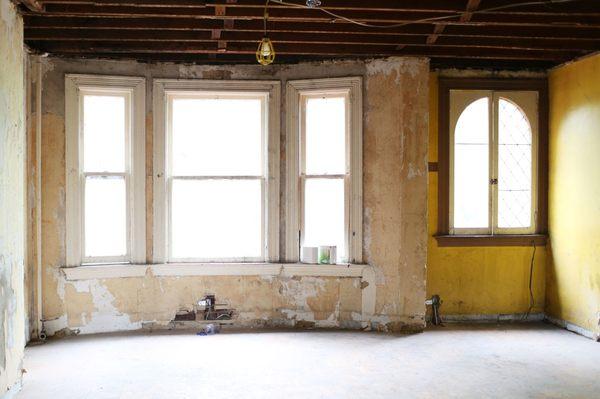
(471, 166)
(514, 166)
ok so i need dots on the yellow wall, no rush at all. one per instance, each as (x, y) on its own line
(573, 280)
(477, 280)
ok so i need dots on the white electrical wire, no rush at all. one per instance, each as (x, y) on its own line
(432, 19)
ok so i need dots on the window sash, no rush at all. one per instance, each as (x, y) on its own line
(524, 100)
(133, 90)
(264, 210)
(107, 259)
(304, 98)
(169, 98)
(126, 174)
(297, 94)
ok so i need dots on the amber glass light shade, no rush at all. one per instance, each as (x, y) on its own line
(265, 54)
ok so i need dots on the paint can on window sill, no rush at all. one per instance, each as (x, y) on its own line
(327, 255)
(309, 255)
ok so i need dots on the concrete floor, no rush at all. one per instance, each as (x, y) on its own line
(513, 361)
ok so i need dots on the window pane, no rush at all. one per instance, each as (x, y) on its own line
(514, 166)
(471, 167)
(214, 219)
(326, 135)
(104, 133)
(324, 214)
(217, 137)
(105, 217)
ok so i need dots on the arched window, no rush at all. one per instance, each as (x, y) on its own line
(492, 155)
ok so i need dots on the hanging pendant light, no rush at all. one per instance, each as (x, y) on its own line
(265, 54)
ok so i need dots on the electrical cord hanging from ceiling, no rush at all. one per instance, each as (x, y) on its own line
(424, 20)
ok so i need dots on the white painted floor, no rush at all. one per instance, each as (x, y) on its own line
(515, 361)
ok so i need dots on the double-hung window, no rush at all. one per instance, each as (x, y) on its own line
(216, 191)
(105, 169)
(324, 167)
(493, 167)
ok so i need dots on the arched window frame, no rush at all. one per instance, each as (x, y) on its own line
(446, 235)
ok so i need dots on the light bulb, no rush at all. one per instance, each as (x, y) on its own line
(265, 54)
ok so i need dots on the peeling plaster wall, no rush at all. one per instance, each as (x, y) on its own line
(395, 212)
(12, 196)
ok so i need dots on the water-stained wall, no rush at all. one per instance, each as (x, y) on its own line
(395, 212)
(12, 196)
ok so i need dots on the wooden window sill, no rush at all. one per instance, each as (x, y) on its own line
(504, 240)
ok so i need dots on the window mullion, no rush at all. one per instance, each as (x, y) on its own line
(493, 163)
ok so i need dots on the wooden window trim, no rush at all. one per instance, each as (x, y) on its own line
(161, 89)
(135, 89)
(499, 84)
(295, 90)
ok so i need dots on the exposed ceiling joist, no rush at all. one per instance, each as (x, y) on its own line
(226, 30)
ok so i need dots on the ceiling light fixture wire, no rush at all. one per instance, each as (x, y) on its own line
(433, 19)
(265, 53)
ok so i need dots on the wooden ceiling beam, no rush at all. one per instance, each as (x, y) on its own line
(303, 49)
(472, 5)
(313, 15)
(581, 6)
(37, 22)
(58, 35)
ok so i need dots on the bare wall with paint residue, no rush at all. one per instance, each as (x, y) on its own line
(12, 196)
(395, 121)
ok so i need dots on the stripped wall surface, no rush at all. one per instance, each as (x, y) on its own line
(395, 213)
(12, 196)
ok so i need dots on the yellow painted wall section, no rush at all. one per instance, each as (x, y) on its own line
(573, 279)
(477, 280)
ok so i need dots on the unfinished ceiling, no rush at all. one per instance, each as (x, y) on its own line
(490, 33)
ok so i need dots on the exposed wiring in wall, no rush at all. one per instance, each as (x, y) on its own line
(432, 19)
(531, 299)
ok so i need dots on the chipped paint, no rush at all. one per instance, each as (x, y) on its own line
(12, 196)
(395, 182)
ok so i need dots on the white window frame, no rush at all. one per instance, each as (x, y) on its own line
(166, 89)
(530, 106)
(133, 89)
(296, 93)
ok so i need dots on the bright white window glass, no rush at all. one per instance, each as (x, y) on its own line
(104, 133)
(514, 166)
(325, 136)
(214, 219)
(471, 170)
(324, 214)
(217, 137)
(105, 217)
